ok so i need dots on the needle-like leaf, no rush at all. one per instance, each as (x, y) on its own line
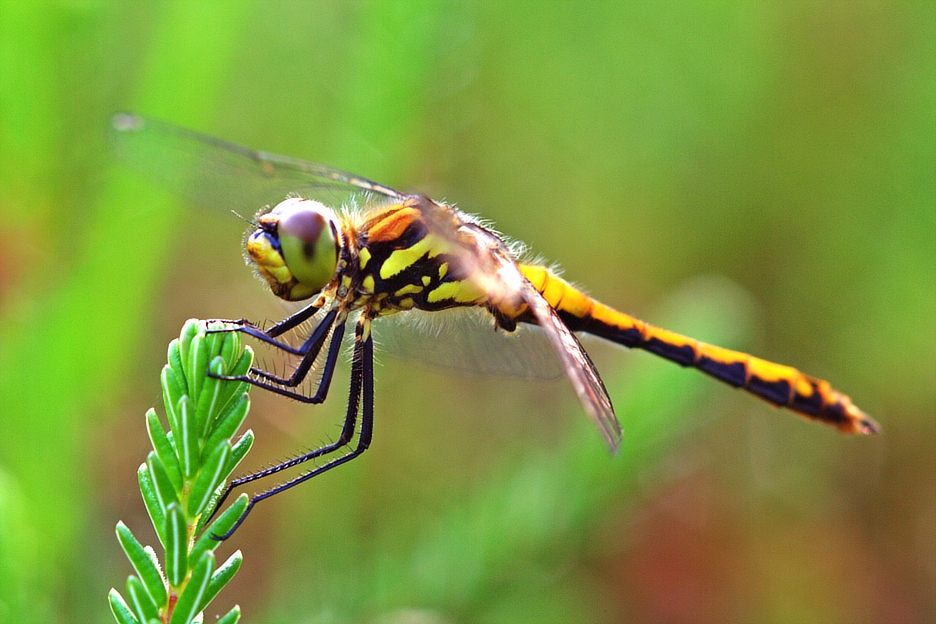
(182, 479)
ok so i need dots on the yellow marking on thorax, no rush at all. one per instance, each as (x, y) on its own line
(409, 289)
(460, 292)
(401, 259)
(364, 257)
(368, 284)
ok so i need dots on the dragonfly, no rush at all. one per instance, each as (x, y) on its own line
(362, 253)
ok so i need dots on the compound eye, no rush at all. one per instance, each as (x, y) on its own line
(309, 240)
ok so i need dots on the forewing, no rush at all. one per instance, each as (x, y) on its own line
(222, 175)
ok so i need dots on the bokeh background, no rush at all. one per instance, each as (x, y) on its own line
(762, 175)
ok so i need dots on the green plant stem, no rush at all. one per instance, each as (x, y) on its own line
(182, 479)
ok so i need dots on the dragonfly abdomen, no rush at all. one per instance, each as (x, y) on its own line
(783, 386)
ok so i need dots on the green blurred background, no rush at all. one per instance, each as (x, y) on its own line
(759, 174)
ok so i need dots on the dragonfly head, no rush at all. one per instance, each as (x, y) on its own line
(295, 248)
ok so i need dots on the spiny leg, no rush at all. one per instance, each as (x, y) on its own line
(268, 336)
(293, 320)
(311, 348)
(310, 351)
(362, 387)
(299, 374)
(319, 397)
(321, 392)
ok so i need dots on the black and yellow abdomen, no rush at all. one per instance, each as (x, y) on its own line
(783, 386)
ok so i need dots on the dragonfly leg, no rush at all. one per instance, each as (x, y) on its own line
(310, 350)
(361, 397)
(319, 396)
(293, 320)
(269, 335)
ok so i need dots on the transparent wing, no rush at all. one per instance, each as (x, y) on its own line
(467, 339)
(578, 366)
(218, 174)
(484, 259)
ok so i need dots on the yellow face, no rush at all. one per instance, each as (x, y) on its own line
(296, 247)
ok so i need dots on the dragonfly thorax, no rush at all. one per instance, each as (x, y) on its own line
(295, 248)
